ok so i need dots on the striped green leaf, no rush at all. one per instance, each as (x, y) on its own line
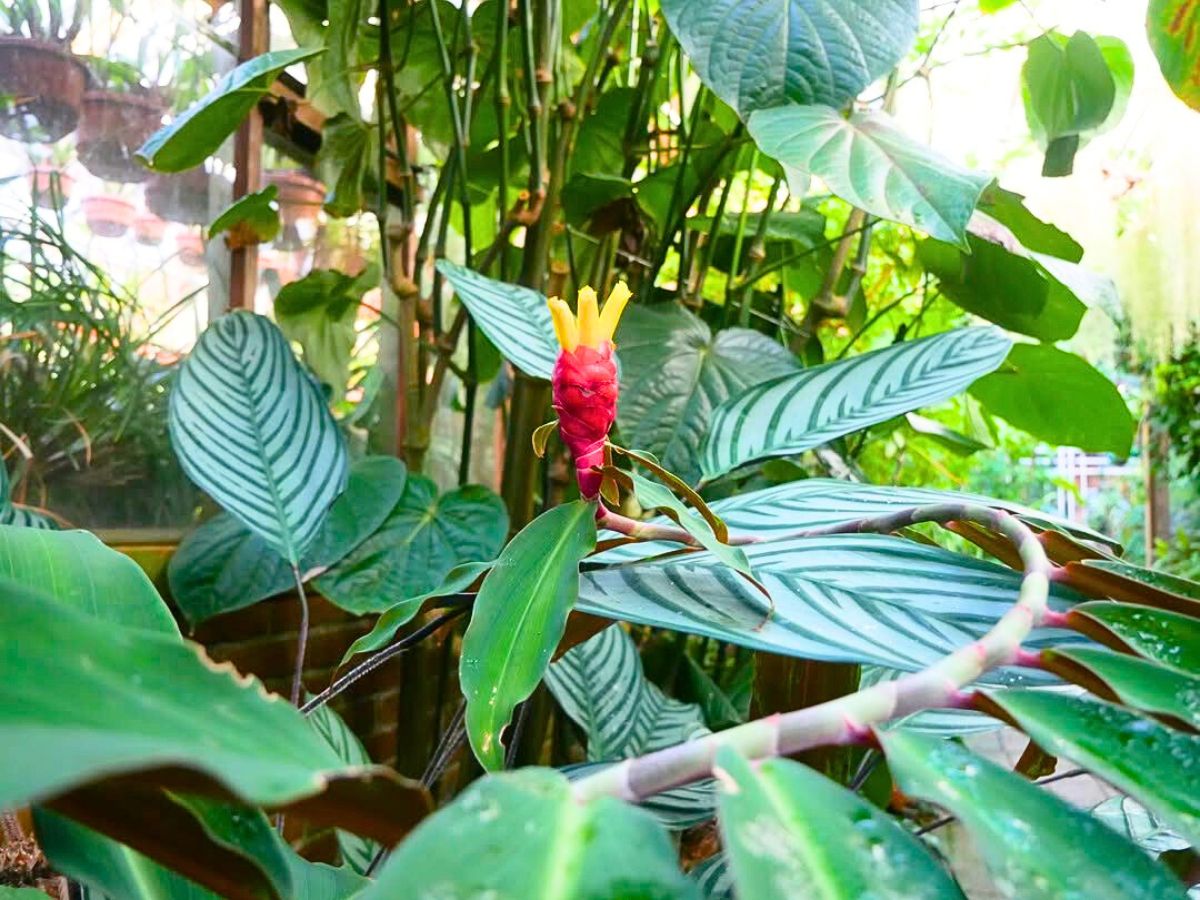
(826, 842)
(514, 318)
(859, 598)
(15, 514)
(518, 619)
(1036, 845)
(776, 512)
(714, 878)
(797, 412)
(251, 428)
(357, 851)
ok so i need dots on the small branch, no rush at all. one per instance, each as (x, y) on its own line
(850, 719)
(302, 640)
(373, 662)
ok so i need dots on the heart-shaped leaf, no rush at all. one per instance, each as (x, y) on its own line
(251, 428)
(518, 619)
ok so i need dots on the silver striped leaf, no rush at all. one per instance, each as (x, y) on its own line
(13, 514)
(862, 598)
(793, 413)
(357, 851)
(601, 686)
(941, 722)
(776, 512)
(251, 428)
(514, 318)
(714, 878)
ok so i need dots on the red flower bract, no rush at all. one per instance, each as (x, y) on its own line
(585, 397)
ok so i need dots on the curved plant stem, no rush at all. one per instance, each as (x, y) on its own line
(850, 719)
(373, 662)
(302, 640)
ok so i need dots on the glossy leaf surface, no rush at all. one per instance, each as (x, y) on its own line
(251, 428)
(518, 619)
(1166, 637)
(797, 412)
(1135, 682)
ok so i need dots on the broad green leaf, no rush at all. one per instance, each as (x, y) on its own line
(1134, 682)
(1008, 208)
(342, 76)
(790, 832)
(781, 511)
(858, 598)
(198, 131)
(1152, 763)
(664, 192)
(400, 614)
(518, 619)
(1170, 638)
(797, 51)
(1172, 26)
(318, 312)
(87, 700)
(424, 536)
(600, 146)
(523, 836)
(652, 495)
(792, 413)
(1133, 584)
(721, 708)
(349, 152)
(514, 318)
(222, 565)
(954, 441)
(805, 226)
(1035, 844)
(1068, 92)
(1084, 409)
(253, 219)
(675, 372)
(251, 428)
(1004, 284)
(869, 163)
(1137, 824)
(357, 852)
(585, 193)
(78, 571)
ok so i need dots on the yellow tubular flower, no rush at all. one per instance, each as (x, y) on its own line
(613, 307)
(565, 326)
(593, 327)
(589, 318)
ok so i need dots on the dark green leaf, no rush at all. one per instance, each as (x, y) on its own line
(523, 836)
(585, 193)
(797, 412)
(1124, 581)
(1149, 761)
(253, 219)
(222, 565)
(799, 51)
(198, 131)
(674, 372)
(1135, 682)
(600, 145)
(423, 537)
(789, 832)
(1036, 845)
(251, 428)
(1084, 409)
(349, 151)
(341, 76)
(1009, 210)
(1172, 26)
(518, 619)
(357, 852)
(866, 161)
(1170, 638)
(952, 440)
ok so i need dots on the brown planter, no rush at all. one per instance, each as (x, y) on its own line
(180, 198)
(148, 229)
(50, 186)
(41, 90)
(108, 216)
(300, 195)
(191, 248)
(111, 129)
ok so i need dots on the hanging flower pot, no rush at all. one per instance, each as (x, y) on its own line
(181, 198)
(300, 195)
(50, 186)
(111, 128)
(41, 90)
(148, 229)
(190, 246)
(108, 216)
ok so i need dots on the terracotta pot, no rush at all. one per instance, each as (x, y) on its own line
(148, 229)
(50, 186)
(111, 129)
(108, 216)
(300, 195)
(191, 248)
(180, 198)
(41, 90)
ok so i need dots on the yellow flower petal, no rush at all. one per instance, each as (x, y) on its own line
(613, 307)
(589, 318)
(565, 326)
